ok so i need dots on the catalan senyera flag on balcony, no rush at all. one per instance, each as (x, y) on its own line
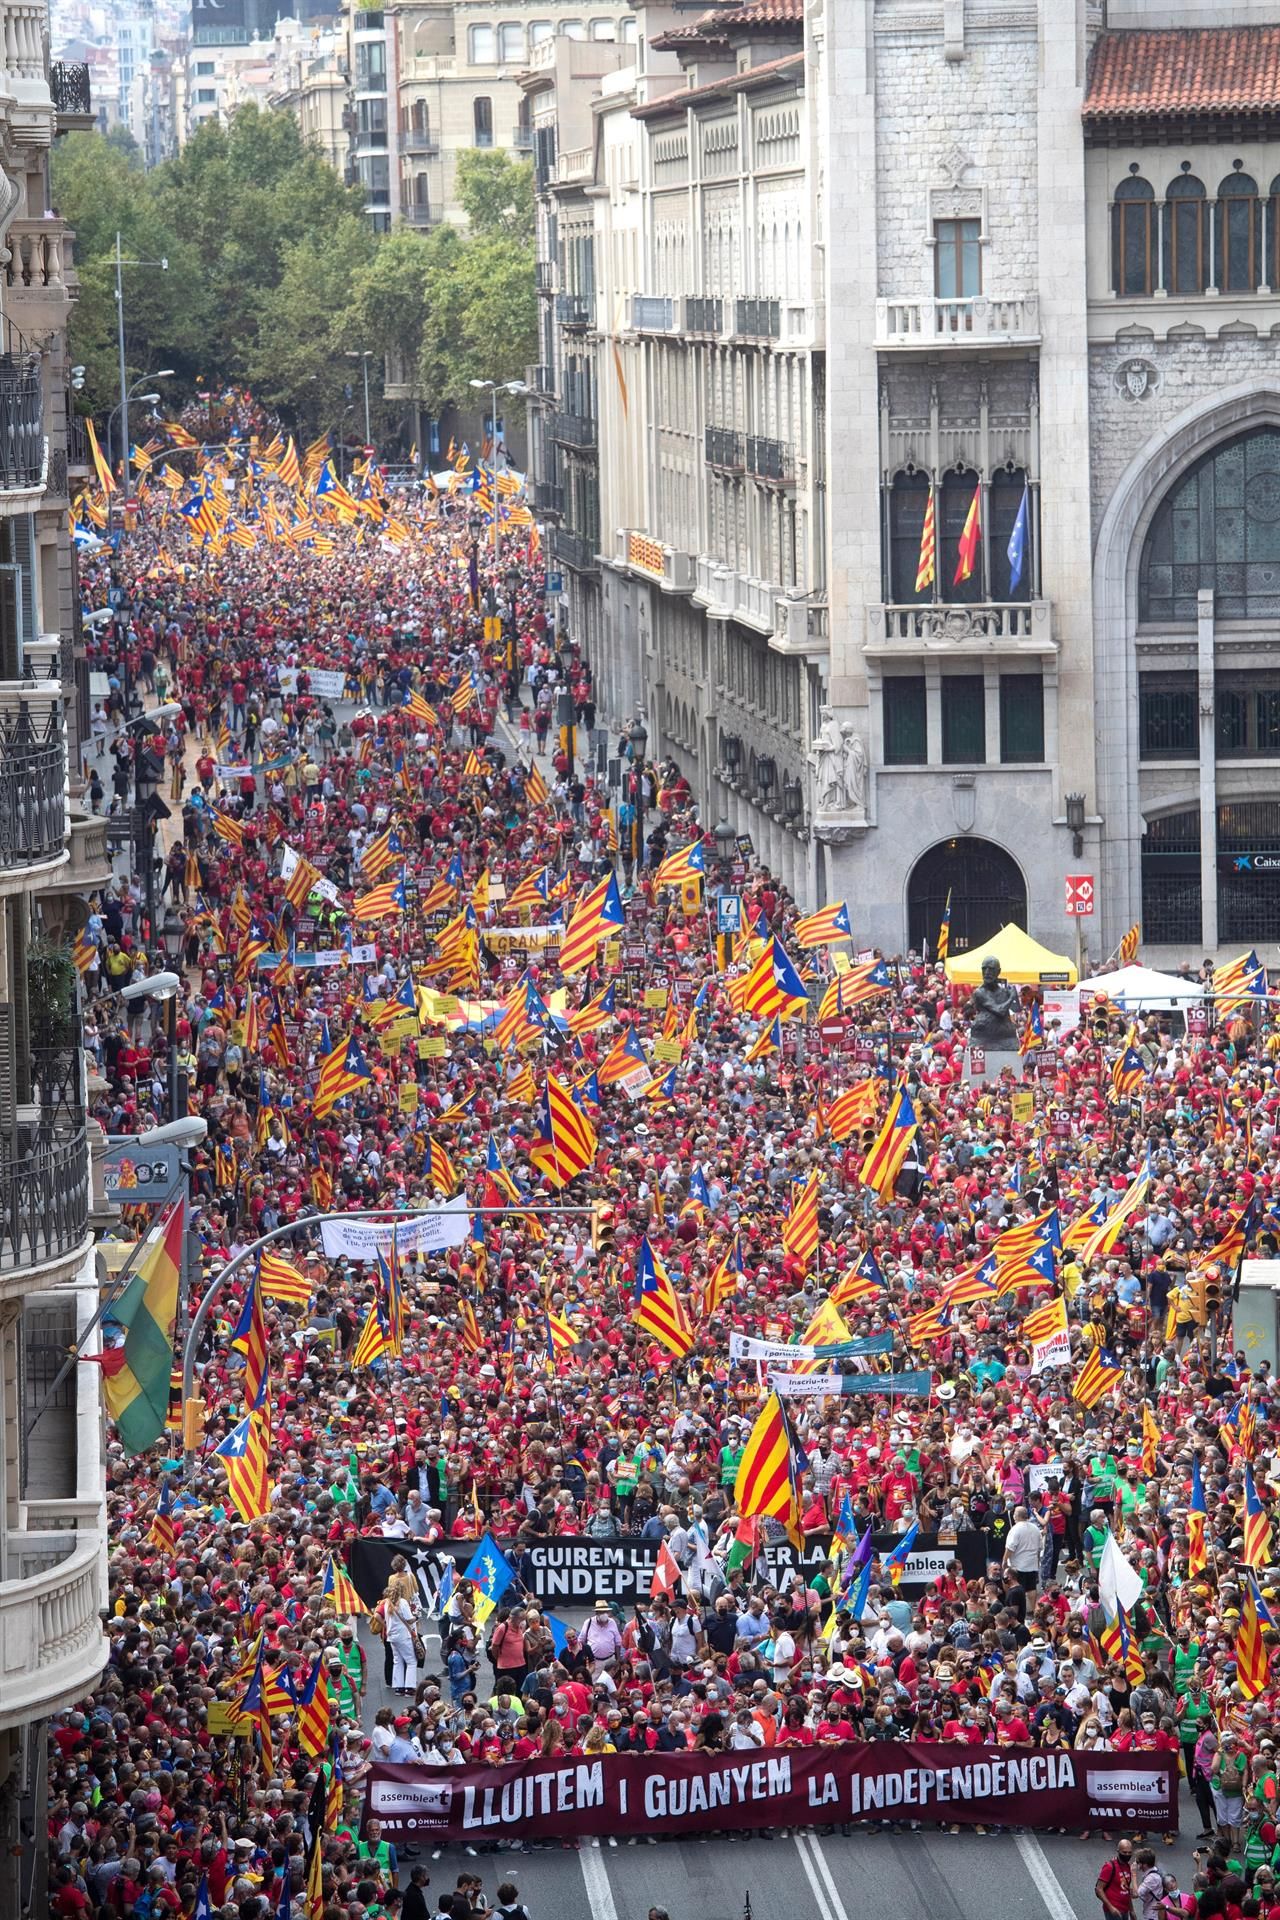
(136, 1375)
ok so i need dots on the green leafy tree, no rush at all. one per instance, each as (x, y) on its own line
(496, 194)
(297, 361)
(274, 272)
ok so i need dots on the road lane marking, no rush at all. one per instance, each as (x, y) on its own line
(595, 1877)
(1047, 1883)
(821, 1862)
(811, 1874)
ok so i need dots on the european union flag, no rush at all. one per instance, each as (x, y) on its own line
(1018, 543)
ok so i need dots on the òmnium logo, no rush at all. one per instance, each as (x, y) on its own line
(414, 1806)
(1126, 1787)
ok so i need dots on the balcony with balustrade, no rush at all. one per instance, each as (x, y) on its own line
(975, 322)
(52, 1646)
(985, 627)
(40, 279)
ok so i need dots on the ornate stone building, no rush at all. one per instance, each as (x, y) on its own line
(997, 282)
(52, 1523)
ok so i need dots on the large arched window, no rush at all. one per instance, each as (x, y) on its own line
(1133, 237)
(1238, 252)
(1218, 527)
(907, 502)
(1005, 497)
(1186, 236)
(958, 489)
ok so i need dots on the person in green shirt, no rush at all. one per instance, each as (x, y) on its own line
(1194, 1714)
(730, 1460)
(1095, 1537)
(378, 1851)
(1103, 1468)
(351, 1662)
(1131, 1494)
(1186, 1658)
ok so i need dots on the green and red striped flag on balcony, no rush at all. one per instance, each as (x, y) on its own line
(136, 1375)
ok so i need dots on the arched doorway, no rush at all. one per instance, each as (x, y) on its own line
(986, 887)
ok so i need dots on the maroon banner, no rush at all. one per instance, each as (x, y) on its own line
(606, 1794)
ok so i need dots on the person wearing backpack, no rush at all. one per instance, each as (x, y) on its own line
(1114, 1886)
(510, 1906)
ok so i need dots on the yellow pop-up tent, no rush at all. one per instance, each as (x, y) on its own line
(1022, 960)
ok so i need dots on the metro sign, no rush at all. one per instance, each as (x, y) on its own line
(1079, 893)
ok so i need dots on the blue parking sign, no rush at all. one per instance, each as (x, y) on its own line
(728, 913)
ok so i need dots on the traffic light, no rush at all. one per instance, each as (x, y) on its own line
(603, 1227)
(1195, 1291)
(193, 1424)
(1212, 1284)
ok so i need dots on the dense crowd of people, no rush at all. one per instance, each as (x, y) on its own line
(416, 769)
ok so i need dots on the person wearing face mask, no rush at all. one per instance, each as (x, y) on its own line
(1114, 1885)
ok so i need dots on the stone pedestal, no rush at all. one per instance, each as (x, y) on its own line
(994, 1061)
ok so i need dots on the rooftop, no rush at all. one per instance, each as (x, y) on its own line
(1174, 72)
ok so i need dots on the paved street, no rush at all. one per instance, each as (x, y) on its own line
(913, 1876)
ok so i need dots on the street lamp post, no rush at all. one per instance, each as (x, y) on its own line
(494, 388)
(173, 934)
(213, 1292)
(134, 393)
(121, 263)
(364, 355)
(638, 736)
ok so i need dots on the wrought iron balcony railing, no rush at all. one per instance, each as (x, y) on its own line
(69, 86)
(21, 422)
(44, 1201)
(724, 448)
(33, 805)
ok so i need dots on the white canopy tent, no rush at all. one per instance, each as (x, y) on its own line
(1141, 988)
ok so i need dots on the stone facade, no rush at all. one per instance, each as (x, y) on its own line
(930, 198)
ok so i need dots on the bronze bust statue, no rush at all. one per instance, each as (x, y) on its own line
(991, 1009)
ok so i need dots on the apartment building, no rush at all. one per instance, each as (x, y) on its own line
(52, 1534)
(935, 442)
(457, 84)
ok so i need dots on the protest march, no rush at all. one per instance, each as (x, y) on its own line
(641, 1379)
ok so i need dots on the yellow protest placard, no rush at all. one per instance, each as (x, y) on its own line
(409, 1097)
(432, 1047)
(448, 1006)
(613, 953)
(389, 1044)
(222, 1717)
(402, 1029)
(668, 1051)
(1022, 1106)
(655, 997)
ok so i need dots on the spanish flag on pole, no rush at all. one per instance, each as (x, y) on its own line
(136, 1384)
(967, 551)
